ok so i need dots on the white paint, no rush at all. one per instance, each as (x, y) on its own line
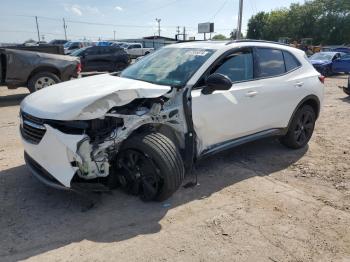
(53, 153)
(67, 100)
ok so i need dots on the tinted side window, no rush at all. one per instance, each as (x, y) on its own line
(238, 66)
(290, 61)
(271, 62)
(346, 57)
(92, 51)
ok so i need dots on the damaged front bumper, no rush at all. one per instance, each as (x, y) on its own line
(51, 159)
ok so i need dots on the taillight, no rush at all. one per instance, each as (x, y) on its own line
(78, 68)
(322, 78)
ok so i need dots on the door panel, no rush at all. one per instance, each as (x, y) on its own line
(226, 115)
(341, 65)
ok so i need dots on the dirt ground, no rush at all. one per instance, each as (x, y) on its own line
(258, 202)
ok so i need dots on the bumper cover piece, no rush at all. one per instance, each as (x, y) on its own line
(41, 174)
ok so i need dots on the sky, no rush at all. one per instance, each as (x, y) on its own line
(87, 19)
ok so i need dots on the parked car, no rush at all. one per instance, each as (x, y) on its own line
(104, 43)
(341, 64)
(102, 58)
(35, 70)
(337, 48)
(323, 61)
(58, 42)
(142, 129)
(135, 50)
(70, 46)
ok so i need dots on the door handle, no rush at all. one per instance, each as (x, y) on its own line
(251, 93)
(299, 84)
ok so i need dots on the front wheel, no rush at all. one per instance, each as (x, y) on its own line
(149, 165)
(301, 128)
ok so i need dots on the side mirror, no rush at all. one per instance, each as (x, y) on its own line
(216, 82)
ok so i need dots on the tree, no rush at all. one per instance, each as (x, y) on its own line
(326, 21)
(219, 37)
(256, 26)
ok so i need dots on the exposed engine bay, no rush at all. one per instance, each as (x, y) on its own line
(103, 137)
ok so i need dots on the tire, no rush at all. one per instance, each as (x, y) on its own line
(119, 67)
(46, 78)
(158, 163)
(301, 128)
(326, 72)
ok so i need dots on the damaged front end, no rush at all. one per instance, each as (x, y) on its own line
(62, 153)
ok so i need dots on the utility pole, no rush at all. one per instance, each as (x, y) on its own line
(184, 33)
(65, 28)
(158, 21)
(239, 24)
(114, 35)
(37, 27)
(177, 32)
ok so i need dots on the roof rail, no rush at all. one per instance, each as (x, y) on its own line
(254, 40)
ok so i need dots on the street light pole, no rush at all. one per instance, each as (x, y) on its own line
(158, 21)
(114, 35)
(37, 27)
(65, 29)
(239, 24)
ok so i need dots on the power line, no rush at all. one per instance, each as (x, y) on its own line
(219, 10)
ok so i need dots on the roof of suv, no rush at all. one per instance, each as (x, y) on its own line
(216, 45)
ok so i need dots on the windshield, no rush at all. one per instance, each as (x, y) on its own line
(78, 52)
(322, 56)
(124, 45)
(168, 66)
(66, 45)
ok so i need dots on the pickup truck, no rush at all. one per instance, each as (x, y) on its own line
(136, 50)
(35, 70)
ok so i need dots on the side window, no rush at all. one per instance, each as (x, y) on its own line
(346, 57)
(290, 61)
(92, 51)
(237, 66)
(137, 46)
(271, 62)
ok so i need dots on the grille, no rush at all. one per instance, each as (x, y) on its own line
(32, 128)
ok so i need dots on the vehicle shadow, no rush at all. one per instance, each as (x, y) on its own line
(35, 219)
(345, 99)
(11, 100)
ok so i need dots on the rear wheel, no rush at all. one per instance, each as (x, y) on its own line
(301, 128)
(42, 80)
(149, 165)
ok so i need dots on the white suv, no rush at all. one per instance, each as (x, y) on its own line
(144, 129)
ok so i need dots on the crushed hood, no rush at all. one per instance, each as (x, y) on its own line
(88, 98)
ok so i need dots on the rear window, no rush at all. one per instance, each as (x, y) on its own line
(271, 62)
(290, 61)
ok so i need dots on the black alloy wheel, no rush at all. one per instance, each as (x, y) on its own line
(139, 174)
(304, 128)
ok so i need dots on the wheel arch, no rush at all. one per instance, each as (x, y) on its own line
(311, 100)
(40, 69)
(165, 130)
